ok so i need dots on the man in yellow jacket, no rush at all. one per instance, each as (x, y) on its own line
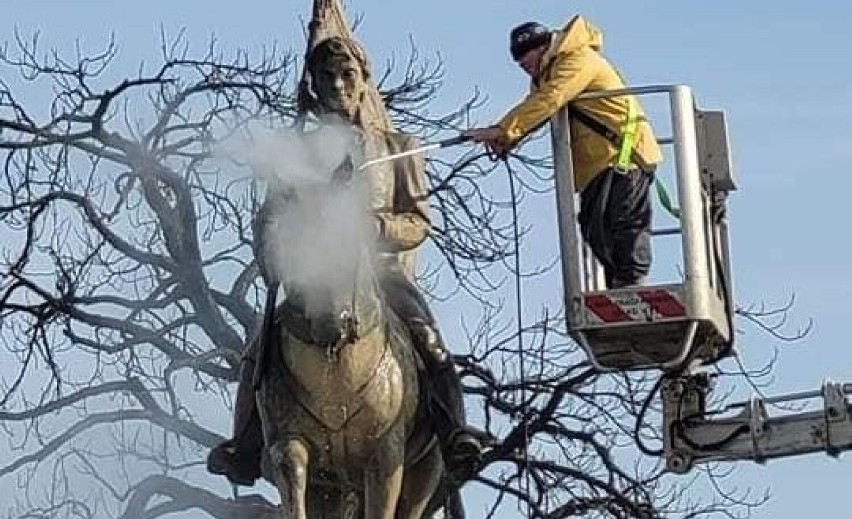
(613, 147)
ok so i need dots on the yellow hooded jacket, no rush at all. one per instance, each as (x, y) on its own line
(571, 66)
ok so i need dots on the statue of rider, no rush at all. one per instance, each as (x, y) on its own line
(338, 74)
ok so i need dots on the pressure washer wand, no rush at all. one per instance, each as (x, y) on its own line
(446, 143)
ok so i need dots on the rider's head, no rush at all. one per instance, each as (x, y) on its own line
(339, 72)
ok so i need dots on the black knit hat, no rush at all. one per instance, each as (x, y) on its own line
(526, 37)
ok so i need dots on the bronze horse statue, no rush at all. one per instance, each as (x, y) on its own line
(342, 407)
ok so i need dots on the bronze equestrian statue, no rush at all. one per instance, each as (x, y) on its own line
(346, 402)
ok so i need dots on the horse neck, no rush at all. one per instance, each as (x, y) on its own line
(368, 304)
(349, 364)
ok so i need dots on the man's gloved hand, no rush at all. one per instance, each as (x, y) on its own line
(492, 138)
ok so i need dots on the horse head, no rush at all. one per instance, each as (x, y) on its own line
(337, 309)
(325, 261)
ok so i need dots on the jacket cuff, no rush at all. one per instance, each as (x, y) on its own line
(511, 134)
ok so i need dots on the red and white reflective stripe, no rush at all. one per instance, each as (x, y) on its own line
(627, 306)
(666, 304)
(606, 309)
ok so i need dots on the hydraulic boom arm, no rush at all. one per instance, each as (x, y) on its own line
(691, 436)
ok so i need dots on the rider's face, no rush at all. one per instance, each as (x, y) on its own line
(340, 85)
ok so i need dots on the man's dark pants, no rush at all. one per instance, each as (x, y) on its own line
(615, 220)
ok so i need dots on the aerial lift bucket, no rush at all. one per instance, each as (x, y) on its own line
(660, 326)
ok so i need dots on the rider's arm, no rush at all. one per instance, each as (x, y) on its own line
(406, 225)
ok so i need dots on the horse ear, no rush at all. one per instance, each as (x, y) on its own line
(343, 173)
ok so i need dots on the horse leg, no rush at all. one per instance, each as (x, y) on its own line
(419, 485)
(290, 466)
(383, 480)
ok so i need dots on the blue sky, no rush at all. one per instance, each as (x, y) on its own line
(780, 70)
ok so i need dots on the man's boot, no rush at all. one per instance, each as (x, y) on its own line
(239, 458)
(462, 450)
